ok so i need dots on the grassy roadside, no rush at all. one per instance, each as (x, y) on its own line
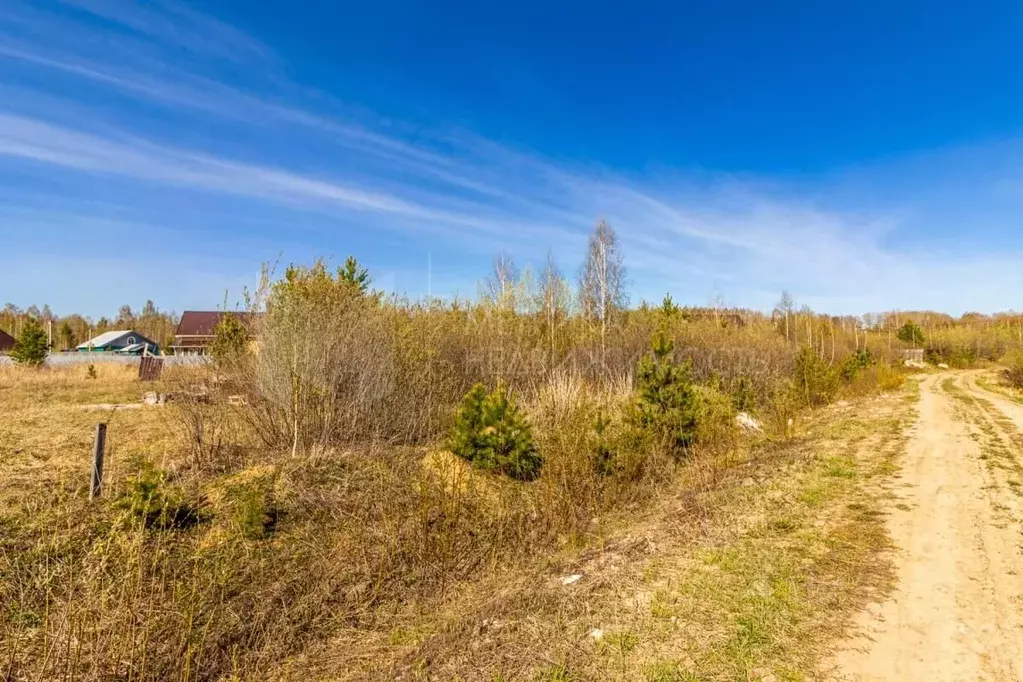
(995, 386)
(788, 550)
(746, 567)
(750, 570)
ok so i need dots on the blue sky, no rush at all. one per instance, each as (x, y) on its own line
(865, 156)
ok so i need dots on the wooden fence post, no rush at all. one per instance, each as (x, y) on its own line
(97, 461)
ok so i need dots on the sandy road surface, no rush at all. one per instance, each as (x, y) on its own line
(957, 610)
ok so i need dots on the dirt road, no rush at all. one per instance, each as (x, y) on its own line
(956, 525)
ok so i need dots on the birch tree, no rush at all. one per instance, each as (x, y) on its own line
(602, 281)
(784, 309)
(552, 302)
(500, 286)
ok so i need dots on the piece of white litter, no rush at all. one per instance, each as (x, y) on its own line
(571, 579)
(596, 634)
(747, 422)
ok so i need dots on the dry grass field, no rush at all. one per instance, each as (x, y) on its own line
(392, 562)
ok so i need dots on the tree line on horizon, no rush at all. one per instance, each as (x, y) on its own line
(600, 292)
(68, 331)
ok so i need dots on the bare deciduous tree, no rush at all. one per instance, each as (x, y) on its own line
(501, 285)
(552, 302)
(602, 281)
(784, 309)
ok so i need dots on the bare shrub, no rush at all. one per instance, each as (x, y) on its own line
(201, 423)
(1013, 372)
(781, 409)
(324, 365)
(881, 377)
(198, 411)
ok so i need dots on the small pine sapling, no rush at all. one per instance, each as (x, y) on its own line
(31, 347)
(492, 433)
(667, 406)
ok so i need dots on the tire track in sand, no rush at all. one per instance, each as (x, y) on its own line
(955, 612)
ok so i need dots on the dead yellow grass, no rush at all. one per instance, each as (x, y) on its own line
(742, 565)
(47, 429)
(750, 568)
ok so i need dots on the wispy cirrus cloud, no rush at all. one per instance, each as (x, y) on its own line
(178, 144)
(177, 24)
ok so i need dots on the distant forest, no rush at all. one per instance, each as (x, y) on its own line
(73, 329)
(68, 331)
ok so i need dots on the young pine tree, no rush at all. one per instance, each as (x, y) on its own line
(354, 275)
(911, 333)
(490, 432)
(31, 347)
(668, 406)
(230, 339)
(817, 380)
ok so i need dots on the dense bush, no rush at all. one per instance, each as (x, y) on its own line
(781, 409)
(492, 433)
(952, 355)
(1013, 373)
(715, 418)
(856, 363)
(323, 370)
(815, 377)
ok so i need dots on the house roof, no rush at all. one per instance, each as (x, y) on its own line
(134, 348)
(6, 341)
(107, 338)
(104, 339)
(204, 322)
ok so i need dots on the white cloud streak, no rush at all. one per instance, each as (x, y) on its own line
(176, 24)
(685, 236)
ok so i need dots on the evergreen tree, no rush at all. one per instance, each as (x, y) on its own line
(229, 340)
(668, 309)
(668, 406)
(817, 378)
(30, 348)
(353, 274)
(67, 335)
(490, 432)
(911, 333)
